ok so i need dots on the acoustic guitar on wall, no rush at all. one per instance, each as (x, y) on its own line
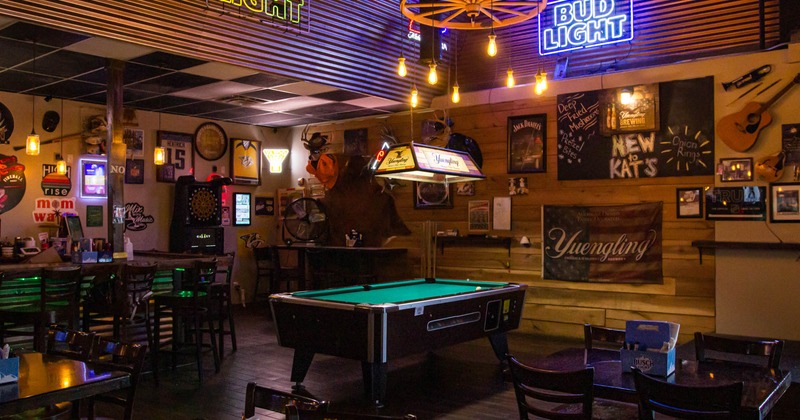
(740, 130)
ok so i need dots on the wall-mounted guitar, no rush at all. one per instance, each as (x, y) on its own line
(741, 129)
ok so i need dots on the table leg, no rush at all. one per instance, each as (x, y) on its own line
(499, 344)
(300, 364)
(374, 381)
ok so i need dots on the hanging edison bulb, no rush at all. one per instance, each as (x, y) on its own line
(510, 82)
(456, 98)
(414, 97)
(541, 82)
(61, 166)
(32, 144)
(491, 49)
(433, 78)
(402, 71)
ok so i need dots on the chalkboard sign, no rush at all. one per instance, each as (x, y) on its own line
(683, 146)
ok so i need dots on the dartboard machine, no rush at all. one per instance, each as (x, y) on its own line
(197, 216)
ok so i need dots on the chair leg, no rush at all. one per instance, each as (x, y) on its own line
(156, 342)
(232, 327)
(213, 339)
(198, 340)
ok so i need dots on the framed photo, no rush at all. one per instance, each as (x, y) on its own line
(134, 171)
(689, 203)
(784, 203)
(165, 173)
(134, 141)
(479, 216)
(241, 209)
(178, 148)
(265, 206)
(735, 170)
(428, 195)
(527, 141)
(501, 209)
(246, 162)
(736, 203)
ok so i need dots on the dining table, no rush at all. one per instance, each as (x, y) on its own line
(46, 379)
(763, 387)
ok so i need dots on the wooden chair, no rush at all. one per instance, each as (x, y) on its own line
(686, 402)
(257, 396)
(269, 268)
(188, 307)
(766, 352)
(552, 394)
(604, 337)
(221, 307)
(70, 343)
(43, 297)
(114, 355)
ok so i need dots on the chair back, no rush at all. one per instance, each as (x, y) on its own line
(604, 337)
(114, 355)
(137, 284)
(70, 343)
(763, 352)
(257, 396)
(61, 292)
(20, 288)
(686, 402)
(552, 394)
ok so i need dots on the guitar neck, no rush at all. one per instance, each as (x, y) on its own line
(778, 95)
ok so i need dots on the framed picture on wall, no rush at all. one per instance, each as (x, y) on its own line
(479, 216)
(689, 203)
(527, 141)
(784, 203)
(178, 148)
(428, 195)
(735, 170)
(246, 162)
(134, 171)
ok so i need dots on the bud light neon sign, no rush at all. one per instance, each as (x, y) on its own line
(567, 25)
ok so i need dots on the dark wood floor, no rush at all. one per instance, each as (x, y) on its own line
(459, 382)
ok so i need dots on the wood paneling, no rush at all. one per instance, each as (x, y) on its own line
(557, 307)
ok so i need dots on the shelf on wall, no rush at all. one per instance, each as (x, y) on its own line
(504, 241)
(756, 246)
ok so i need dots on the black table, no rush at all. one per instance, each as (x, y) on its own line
(48, 379)
(762, 387)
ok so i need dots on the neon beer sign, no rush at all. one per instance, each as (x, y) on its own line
(288, 10)
(567, 25)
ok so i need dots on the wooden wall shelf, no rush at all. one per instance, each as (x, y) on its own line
(756, 246)
(504, 241)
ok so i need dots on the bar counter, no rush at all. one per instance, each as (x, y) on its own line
(165, 261)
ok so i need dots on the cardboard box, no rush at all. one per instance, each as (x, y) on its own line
(650, 347)
(9, 370)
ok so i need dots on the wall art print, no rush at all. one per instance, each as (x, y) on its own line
(178, 148)
(527, 140)
(12, 182)
(135, 217)
(246, 162)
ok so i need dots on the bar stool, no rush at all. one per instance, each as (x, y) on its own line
(188, 307)
(43, 297)
(221, 308)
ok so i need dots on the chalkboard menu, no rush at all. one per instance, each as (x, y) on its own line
(682, 143)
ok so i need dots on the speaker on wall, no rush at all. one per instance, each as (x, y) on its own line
(430, 45)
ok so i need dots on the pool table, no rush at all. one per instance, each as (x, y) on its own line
(378, 322)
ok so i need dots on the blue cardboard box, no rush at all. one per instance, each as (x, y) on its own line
(650, 347)
(9, 370)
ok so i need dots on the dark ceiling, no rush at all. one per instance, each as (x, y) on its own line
(73, 66)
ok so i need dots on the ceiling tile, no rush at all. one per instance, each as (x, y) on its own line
(68, 89)
(291, 104)
(219, 71)
(363, 112)
(198, 108)
(339, 95)
(264, 118)
(215, 90)
(330, 108)
(269, 94)
(372, 102)
(109, 48)
(161, 102)
(305, 88)
(265, 80)
(64, 64)
(42, 34)
(173, 82)
(16, 52)
(167, 60)
(17, 81)
(234, 113)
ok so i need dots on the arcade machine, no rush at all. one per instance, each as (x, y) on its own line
(197, 216)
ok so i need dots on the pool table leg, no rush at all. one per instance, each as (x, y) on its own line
(300, 364)
(499, 344)
(374, 381)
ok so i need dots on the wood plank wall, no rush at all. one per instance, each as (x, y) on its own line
(554, 307)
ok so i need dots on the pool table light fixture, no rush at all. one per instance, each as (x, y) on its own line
(423, 163)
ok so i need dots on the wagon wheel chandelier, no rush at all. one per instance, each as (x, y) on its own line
(471, 14)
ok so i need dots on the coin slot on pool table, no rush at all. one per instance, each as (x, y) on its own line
(492, 316)
(453, 321)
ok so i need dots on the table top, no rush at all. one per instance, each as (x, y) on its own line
(399, 291)
(762, 387)
(47, 379)
(353, 249)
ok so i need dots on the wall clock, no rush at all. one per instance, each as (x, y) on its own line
(210, 141)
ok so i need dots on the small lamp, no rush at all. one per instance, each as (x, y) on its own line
(510, 82)
(159, 155)
(433, 78)
(32, 144)
(414, 97)
(456, 98)
(275, 158)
